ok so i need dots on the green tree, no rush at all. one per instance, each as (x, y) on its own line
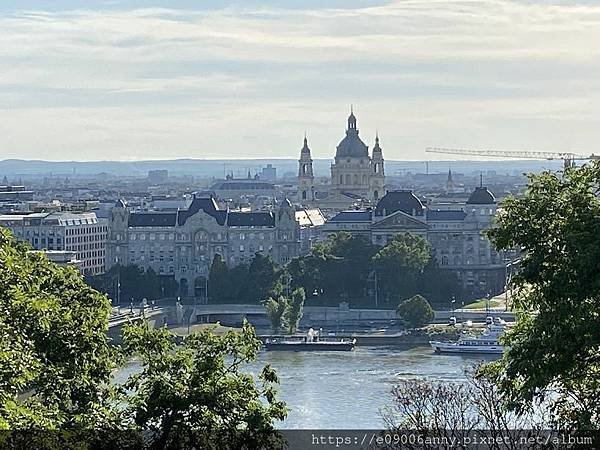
(439, 285)
(399, 264)
(276, 309)
(336, 268)
(293, 313)
(196, 395)
(262, 274)
(349, 267)
(53, 345)
(416, 311)
(219, 287)
(238, 281)
(555, 344)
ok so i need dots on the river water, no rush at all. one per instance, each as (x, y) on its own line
(332, 390)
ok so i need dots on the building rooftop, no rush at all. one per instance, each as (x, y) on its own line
(481, 196)
(353, 216)
(400, 200)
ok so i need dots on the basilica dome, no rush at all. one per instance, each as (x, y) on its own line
(352, 146)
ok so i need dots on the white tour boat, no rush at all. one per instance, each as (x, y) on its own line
(486, 343)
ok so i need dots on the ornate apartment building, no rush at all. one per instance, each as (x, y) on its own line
(183, 243)
(456, 236)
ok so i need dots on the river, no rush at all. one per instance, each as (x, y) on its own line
(333, 390)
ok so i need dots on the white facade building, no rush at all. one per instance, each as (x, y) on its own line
(80, 233)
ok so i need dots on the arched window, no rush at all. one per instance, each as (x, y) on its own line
(376, 167)
(303, 195)
(355, 179)
(364, 179)
(303, 169)
(376, 195)
(341, 179)
(348, 179)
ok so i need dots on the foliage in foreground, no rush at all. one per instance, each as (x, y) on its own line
(56, 372)
(55, 357)
(554, 350)
(196, 394)
(455, 410)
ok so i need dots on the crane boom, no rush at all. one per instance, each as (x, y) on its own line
(526, 154)
(567, 157)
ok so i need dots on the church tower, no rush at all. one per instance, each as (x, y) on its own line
(117, 239)
(377, 178)
(306, 178)
(449, 182)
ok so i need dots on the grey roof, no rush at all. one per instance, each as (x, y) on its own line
(206, 204)
(481, 196)
(152, 219)
(445, 215)
(352, 146)
(252, 219)
(210, 207)
(169, 219)
(401, 200)
(240, 185)
(352, 216)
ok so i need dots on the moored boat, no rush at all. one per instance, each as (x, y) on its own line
(486, 343)
(311, 342)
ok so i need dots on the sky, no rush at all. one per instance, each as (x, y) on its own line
(133, 80)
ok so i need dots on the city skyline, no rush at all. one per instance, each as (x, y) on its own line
(130, 80)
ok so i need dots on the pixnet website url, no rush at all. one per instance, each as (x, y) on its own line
(469, 440)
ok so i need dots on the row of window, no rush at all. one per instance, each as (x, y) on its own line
(86, 230)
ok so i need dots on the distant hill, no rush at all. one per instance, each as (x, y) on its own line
(218, 168)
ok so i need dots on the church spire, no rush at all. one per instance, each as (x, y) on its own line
(449, 182)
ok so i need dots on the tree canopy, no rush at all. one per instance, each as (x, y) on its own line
(399, 265)
(53, 345)
(196, 395)
(242, 283)
(416, 311)
(351, 268)
(57, 365)
(555, 346)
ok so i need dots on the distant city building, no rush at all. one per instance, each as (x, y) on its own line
(235, 188)
(80, 233)
(455, 235)
(355, 175)
(167, 203)
(63, 258)
(15, 194)
(268, 173)
(159, 176)
(310, 222)
(182, 244)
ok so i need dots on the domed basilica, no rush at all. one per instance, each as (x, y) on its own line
(355, 175)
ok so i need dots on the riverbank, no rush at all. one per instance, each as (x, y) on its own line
(402, 338)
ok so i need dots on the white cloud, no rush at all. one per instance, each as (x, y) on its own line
(169, 83)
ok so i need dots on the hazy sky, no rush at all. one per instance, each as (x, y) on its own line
(91, 80)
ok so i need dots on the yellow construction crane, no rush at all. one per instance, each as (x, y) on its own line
(568, 158)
